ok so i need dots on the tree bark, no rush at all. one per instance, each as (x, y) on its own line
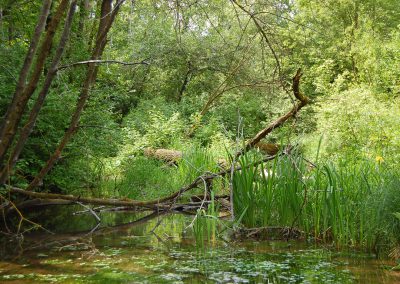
(29, 58)
(22, 96)
(167, 155)
(185, 82)
(27, 129)
(83, 15)
(107, 18)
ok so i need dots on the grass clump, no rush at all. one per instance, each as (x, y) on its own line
(347, 204)
(144, 178)
(205, 225)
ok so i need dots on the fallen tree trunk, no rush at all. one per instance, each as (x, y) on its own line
(268, 148)
(174, 156)
(171, 156)
(166, 155)
(164, 203)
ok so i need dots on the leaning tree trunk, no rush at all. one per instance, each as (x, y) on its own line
(29, 125)
(165, 202)
(23, 94)
(302, 101)
(29, 56)
(108, 14)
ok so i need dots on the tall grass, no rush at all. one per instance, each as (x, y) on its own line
(195, 162)
(267, 194)
(205, 225)
(141, 177)
(347, 204)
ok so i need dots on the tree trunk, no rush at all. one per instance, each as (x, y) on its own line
(29, 57)
(83, 14)
(21, 97)
(185, 82)
(107, 18)
(27, 129)
(166, 155)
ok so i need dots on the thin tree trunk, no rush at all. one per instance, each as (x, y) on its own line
(83, 14)
(107, 18)
(27, 129)
(29, 57)
(19, 103)
(185, 81)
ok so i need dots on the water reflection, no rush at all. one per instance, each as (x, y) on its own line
(153, 248)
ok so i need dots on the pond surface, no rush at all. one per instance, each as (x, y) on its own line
(162, 250)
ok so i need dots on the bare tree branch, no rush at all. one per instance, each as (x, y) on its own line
(303, 100)
(263, 33)
(101, 62)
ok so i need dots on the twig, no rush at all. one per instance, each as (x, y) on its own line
(239, 131)
(91, 211)
(201, 204)
(156, 226)
(22, 219)
(97, 209)
(102, 62)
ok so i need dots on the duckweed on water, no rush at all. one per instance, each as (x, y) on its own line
(174, 259)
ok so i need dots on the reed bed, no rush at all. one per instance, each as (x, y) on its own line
(346, 203)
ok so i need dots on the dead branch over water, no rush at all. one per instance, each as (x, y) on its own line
(170, 203)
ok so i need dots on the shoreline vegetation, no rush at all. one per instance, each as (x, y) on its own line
(202, 108)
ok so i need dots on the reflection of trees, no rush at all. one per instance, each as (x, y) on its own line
(83, 239)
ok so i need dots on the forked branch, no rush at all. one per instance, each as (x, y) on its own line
(302, 101)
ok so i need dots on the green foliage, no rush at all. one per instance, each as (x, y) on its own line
(349, 51)
(348, 204)
(152, 124)
(205, 226)
(143, 178)
(359, 123)
(196, 161)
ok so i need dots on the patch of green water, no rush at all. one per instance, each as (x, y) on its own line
(135, 255)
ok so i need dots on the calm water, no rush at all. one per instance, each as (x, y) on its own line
(134, 253)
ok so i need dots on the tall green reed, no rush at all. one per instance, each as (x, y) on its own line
(268, 194)
(205, 225)
(346, 203)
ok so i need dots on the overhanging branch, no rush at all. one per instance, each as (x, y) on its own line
(303, 100)
(102, 62)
